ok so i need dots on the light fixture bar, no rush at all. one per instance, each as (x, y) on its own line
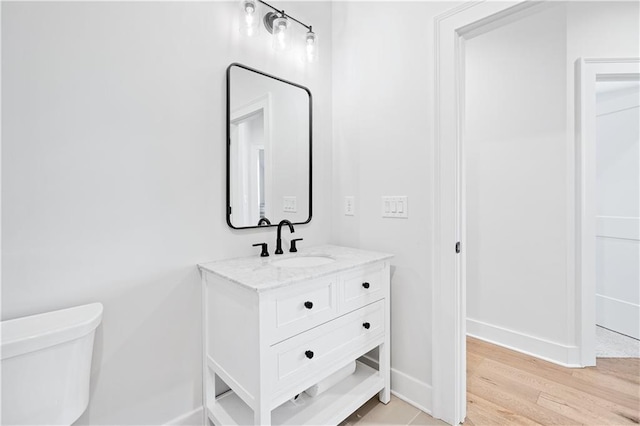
(284, 14)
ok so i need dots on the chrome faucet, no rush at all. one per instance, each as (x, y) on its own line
(279, 239)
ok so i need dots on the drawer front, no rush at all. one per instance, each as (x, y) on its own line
(310, 354)
(363, 287)
(295, 309)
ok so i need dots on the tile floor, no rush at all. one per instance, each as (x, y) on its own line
(396, 412)
(610, 344)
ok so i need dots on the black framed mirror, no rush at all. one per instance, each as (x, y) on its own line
(269, 158)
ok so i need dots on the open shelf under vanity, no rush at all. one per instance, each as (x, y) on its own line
(330, 407)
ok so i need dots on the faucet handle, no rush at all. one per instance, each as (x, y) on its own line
(265, 252)
(293, 248)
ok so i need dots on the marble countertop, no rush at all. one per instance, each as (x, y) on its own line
(257, 273)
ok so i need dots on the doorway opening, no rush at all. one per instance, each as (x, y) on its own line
(608, 243)
(453, 30)
(251, 186)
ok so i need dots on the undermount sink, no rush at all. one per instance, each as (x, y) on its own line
(303, 261)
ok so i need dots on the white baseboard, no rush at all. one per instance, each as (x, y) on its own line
(407, 388)
(194, 417)
(567, 356)
(618, 315)
(411, 390)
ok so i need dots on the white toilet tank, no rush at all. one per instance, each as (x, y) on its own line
(46, 365)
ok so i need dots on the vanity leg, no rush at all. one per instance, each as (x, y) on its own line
(209, 394)
(384, 350)
(385, 370)
(262, 416)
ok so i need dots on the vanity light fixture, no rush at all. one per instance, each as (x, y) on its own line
(278, 23)
(311, 46)
(251, 22)
(280, 31)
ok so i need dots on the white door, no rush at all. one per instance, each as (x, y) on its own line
(618, 206)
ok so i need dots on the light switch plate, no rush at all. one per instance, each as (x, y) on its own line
(349, 206)
(290, 204)
(395, 206)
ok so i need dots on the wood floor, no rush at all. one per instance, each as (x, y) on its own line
(507, 387)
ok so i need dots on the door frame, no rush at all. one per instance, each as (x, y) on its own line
(588, 71)
(452, 28)
(262, 104)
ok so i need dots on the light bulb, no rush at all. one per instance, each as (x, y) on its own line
(281, 33)
(249, 26)
(311, 46)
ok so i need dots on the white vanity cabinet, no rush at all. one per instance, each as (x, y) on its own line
(272, 332)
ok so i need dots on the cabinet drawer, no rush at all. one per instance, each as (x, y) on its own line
(292, 311)
(313, 353)
(362, 287)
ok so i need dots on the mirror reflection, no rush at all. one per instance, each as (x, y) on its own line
(269, 149)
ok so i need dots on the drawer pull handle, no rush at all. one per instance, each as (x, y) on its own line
(308, 305)
(365, 285)
(366, 325)
(309, 354)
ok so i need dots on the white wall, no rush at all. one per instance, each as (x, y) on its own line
(618, 209)
(382, 104)
(515, 164)
(113, 165)
(520, 79)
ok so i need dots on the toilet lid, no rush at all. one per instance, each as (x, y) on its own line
(35, 332)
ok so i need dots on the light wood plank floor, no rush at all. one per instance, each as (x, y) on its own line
(506, 387)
